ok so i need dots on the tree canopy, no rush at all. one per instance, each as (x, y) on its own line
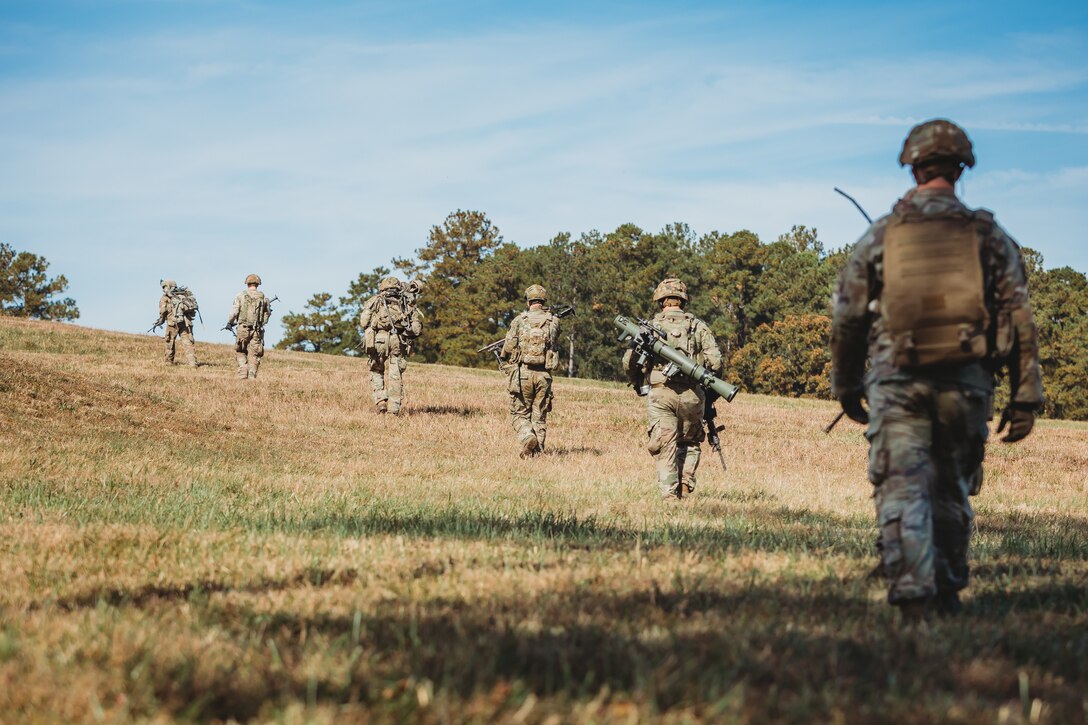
(768, 303)
(27, 291)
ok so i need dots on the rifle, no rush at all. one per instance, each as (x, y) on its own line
(831, 426)
(154, 327)
(712, 430)
(649, 341)
(495, 348)
(562, 311)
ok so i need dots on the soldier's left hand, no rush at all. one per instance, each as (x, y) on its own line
(1020, 421)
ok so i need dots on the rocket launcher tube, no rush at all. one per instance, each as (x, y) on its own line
(645, 339)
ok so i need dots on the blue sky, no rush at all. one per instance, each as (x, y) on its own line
(311, 141)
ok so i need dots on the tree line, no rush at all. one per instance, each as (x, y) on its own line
(767, 302)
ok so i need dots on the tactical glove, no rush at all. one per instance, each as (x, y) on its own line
(1020, 419)
(851, 405)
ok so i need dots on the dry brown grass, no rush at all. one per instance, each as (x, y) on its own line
(178, 544)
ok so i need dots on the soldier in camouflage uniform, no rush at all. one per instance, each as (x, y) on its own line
(935, 297)
(251, 312)
(412, 291)
(179, 323)
(531, 348)
(675, 406)
(390, 326)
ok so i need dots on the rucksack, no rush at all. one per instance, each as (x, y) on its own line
(184, 304)
(535, 344)
(933, 300)
(254, 312)
(679, 332)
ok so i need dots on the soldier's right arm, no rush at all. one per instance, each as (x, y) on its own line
(235, 310)
(510, 344)
(710, 352)
(164, 309)
(1016, 331)
(851, 318)
(366, 313)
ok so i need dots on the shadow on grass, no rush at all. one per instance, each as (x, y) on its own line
(753, 525)
(1057, 598)
(144, 595)
(459, 410)
(565, 451)
(796, 655)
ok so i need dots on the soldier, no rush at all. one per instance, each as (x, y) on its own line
(389, 328)
(532, 349)
(935, 297)
(250, 311)
(412, 291)
(177, 308)
(675, 405)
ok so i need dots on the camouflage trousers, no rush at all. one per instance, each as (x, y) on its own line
(387, 366)
(530, 403)
(180, 335)
(926, 444)
(675, 431)
(248, 349)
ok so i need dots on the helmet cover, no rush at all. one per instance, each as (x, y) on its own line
(939, 138)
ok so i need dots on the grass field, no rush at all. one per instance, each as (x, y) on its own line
(175, 543)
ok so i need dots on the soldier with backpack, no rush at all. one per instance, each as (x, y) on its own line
(250, 311)
(935, 298)
(531, 351)
(675, 404)
(177, 309)
(390, 326)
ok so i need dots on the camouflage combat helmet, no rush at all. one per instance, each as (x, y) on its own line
(938, 138)
(168, 284)
(671, 287)
(536, 292)
(253, 279)
(389, 284)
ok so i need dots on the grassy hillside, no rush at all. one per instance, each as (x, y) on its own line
(177, 543)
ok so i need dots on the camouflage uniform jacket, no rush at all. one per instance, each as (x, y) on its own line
(389, 313)
(700, 346)
(518, 334)
(250, 303)
(858, 331)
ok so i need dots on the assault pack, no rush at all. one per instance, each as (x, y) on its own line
(255, 309)
(536, 344)
(183, 305)
(934, 290)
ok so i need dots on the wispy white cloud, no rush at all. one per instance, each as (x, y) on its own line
(311, 157)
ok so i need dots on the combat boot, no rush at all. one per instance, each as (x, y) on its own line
(381, 406)
(530, 447)
(947, 603)
(912, 612)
